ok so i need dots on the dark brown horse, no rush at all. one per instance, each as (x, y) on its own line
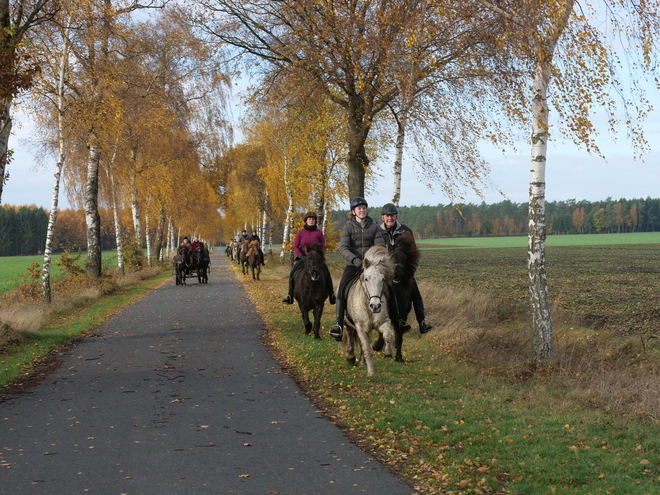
(310, 288)
(202, 261)
(180, 261)
(242, 256)
(254, 258)
(405, 256)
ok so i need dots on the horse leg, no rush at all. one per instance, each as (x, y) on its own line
(348, 341)
(398, 344)
(258, 271)
(379, 344)
(305, 318)
(318, 311)
(367, 352)
(386, 331)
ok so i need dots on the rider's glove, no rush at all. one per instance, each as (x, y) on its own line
(357, 262)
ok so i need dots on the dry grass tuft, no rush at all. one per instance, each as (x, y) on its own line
(613, 372)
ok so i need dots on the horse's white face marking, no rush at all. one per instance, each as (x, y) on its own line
(373, 282)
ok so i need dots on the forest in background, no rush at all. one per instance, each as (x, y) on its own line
(23, 228)
(509, 218)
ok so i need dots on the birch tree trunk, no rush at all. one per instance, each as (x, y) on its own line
(118, 232)
(135, 205)
(286, 237)
(538, 287)
(5, 131)
(160, 232)
(59, 165)
(401, 122)
(91, 204)
(148, 240)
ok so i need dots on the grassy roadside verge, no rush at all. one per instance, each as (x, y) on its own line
(448, 426)
(19, 361)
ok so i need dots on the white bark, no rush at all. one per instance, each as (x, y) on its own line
(135, 205)
(148, 239)
(286, 238)
(5, 131)
(538, 287)
(59, 165)
(115, 210)
(92, 217)
(401, 122)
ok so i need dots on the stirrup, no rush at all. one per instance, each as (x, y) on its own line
(404, 327)
(287, 300)
(336, 331)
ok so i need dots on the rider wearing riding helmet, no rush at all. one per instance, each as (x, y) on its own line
(255, 237)
(392, 229)
(359, 233)
(307, 236)
(243, 237)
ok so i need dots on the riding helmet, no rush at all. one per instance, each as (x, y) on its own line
(357, 201)
(389, 209)
(310, 214)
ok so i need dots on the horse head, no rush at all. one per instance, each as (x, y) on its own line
(405, 257)
(314, 259)
(377, 273)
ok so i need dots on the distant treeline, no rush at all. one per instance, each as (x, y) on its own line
(23, 230)
(508, 218)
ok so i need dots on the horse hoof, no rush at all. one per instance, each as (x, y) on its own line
(399, 359)
(351, 361)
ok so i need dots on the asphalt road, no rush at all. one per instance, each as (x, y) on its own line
(178, 395)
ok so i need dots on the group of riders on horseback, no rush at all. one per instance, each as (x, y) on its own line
(246, 250)
(359, 234)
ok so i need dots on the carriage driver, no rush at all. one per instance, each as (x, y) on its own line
(359, 233)
(307, 236)
(391, 230)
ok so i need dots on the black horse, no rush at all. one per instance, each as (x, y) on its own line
(311, 288)
(405, 256)
(202, 261)
(181, 261)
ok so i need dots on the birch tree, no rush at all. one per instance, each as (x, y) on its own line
(572, 49)
(59, 99)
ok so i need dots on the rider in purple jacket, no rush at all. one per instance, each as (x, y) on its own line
(308, 235)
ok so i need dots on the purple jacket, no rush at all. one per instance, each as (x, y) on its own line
(307, 237)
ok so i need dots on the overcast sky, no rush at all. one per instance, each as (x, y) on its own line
(571, 174)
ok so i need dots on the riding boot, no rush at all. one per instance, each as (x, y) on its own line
(289, 298)
(420, 314)
(336, 329)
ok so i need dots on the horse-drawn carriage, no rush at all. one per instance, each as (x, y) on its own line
(192, 263)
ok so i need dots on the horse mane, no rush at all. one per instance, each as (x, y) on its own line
(379, 256)
(405, 247)
(253, 246)
(316, 248)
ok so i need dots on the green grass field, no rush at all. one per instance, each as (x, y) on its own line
(12, 268)
(551, 241)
